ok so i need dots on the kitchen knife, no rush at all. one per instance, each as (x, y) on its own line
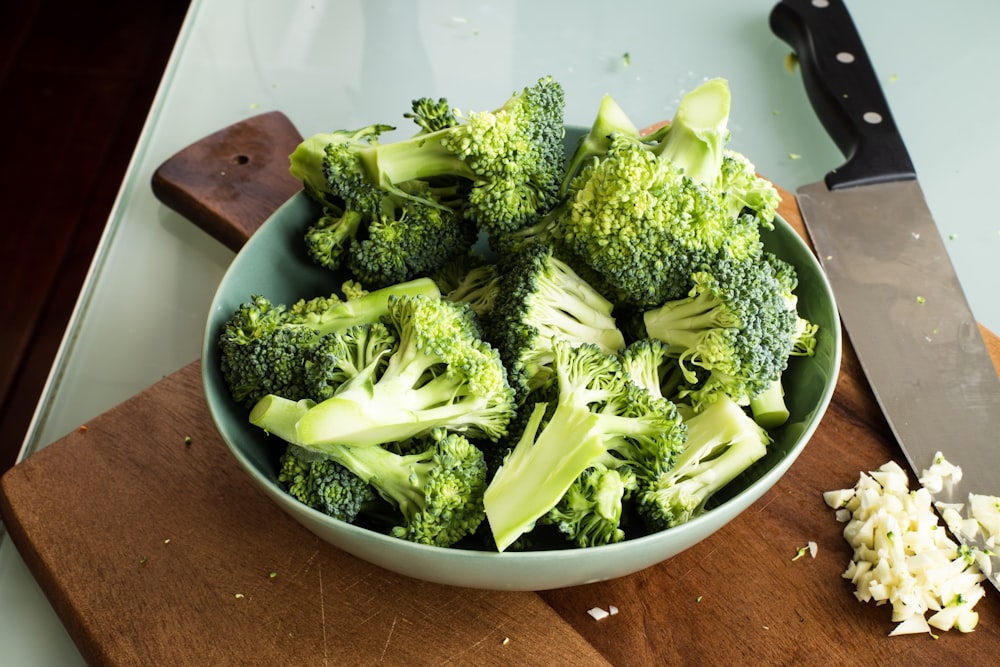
(899, 298)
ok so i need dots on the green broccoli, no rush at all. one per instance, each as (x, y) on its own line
(323, 484)
(541, 298)
(381, 236)
(651, 365)
(722, 442)
(472, 279)
(769, 407)
(599, 417)
(441, 373)
(497, 169)
(611, 120)
(436, 488)
(590, 513)
(731, 335)
(646, 214)
(265, 347)
(432, 115)
(339, 357)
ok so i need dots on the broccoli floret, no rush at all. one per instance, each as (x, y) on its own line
(472, 279)
(590, 513)
(436, 487)
(340, 357)
(722, 442)
(646, 214)
(611, 120)
(599, 417)
(265, 346)
(441, 374)
(541, 298)
(734, 325)
(501, 169)
(323, 484)
(438, 491)
(650, 364)
(432, 115)
(382, 235)
(768, 407)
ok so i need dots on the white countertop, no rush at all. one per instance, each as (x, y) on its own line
(332, 64)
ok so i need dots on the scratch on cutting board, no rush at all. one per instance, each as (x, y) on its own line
(322, 611)
(388, 638)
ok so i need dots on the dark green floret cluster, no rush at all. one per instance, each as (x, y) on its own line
(395, 209)
(529, 349)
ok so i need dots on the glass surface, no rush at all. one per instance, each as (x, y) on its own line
(347, 63)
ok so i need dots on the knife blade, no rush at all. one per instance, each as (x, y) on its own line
(900, 300)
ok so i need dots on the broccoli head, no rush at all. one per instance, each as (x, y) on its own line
(265, 346)
(599, 417)
(541, 298)
(647, 212)
(590, 512)
(323, 484)
(731, 335)
(440, 373)
(722, 441)
(436, 491)
(382, 235)
(498, 169)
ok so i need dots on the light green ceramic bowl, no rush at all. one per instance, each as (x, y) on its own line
(273, 263)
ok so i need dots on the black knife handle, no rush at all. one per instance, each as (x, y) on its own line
(844, 91)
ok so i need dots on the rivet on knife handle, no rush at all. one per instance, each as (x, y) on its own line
(844, 91)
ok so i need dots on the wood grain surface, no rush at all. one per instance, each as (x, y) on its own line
(154, 550)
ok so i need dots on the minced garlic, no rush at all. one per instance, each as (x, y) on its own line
(902, 555)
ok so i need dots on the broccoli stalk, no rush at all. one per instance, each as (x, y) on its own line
(598, 417)
(722, 442)
(696, 139)
(265, 347)
(440, 374)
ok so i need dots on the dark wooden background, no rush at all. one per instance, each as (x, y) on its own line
(76, 83)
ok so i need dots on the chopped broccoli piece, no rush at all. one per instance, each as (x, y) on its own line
(265, 347)
(735, 325)
(540, 299)
(499, 169)
(437, 491)
(646, 214)
(722, 442)
(321, 483)
(436, 488)
(470, 278)
(440, 374)
(769, 407)
(599, 417)
(341, 357)
(590, 513)
(432, 115)
(650, 364)
(611, 120)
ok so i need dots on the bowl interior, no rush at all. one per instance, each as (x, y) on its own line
(273, 263)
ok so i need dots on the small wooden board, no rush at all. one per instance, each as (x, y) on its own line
(154, 550)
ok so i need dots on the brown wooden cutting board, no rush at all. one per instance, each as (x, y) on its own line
(155, 548)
